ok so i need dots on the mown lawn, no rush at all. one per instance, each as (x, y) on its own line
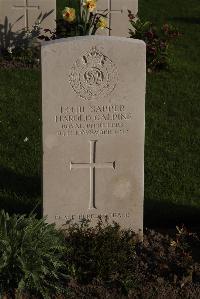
(172, 149)
(20, 140)
(172, 175)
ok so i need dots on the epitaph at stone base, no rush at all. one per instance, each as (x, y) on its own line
(93, 130)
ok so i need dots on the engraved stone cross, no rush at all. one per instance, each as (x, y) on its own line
(109, 12)
(92, 165)
(26, 8)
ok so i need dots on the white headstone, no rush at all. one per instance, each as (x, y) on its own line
(117, 14)
(93, 101)
(21, 15)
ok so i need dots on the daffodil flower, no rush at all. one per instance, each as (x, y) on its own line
(90, 5)
(102, 23)
(69, 14)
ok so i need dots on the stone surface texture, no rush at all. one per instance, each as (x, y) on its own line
(22, 14)
(117, 15)
(93, 101)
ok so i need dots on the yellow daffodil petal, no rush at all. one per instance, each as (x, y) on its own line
(102, 23)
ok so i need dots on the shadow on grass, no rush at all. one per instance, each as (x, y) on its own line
(17, 205)
(159, 214)
(22, 185)
(19, 194)
(187, 20)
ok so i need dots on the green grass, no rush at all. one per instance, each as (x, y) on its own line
(20, 160)
(172, 176)
(172, 146)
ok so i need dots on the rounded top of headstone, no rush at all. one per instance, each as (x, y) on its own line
(92, 38)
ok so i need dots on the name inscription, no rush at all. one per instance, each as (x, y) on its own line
(93, 120)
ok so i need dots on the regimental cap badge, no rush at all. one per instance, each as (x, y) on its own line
(93, 76)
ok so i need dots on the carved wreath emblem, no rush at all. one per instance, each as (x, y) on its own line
(93, 75)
